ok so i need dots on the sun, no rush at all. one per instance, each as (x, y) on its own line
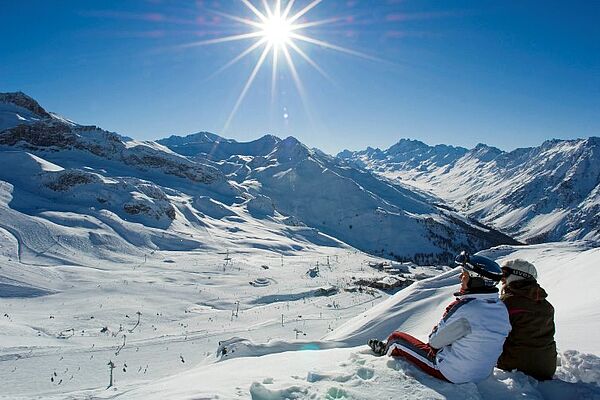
(277, 30)
(280, 32)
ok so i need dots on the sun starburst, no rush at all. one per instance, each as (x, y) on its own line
(277, 30)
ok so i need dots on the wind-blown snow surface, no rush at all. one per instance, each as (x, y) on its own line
(335, 365)
(538, 194)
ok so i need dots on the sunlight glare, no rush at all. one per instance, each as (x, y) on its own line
(277, 30)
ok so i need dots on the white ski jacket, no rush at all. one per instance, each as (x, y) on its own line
(470, 337)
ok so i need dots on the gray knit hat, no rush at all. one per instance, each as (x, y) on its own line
(518, 269)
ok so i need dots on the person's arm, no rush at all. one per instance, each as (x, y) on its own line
(449, 333)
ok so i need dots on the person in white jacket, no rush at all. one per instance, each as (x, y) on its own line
(465, 345)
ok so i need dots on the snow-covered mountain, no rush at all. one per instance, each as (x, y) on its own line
(124, 259)
(114, 194)
(214, 147)
(538, 194)
(314, 189)
(66, 167)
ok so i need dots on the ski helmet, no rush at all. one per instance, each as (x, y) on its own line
(518, 269)
(483, 272)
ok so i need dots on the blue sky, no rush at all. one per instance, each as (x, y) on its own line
(506, 73)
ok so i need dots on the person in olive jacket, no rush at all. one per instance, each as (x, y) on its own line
(530, 346)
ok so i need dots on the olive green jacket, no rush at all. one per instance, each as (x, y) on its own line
(530, 346)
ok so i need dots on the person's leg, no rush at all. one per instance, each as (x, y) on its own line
(400, 344)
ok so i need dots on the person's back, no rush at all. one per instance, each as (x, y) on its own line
(530, 346)
(472, 357)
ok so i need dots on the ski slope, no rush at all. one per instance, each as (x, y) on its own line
(189, 303)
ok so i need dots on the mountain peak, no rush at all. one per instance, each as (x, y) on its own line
(292, 149)
(405, 144)
(345, 154)
(593, 141)
(291, 139)
(268, 136)
(268, 140)
(198, 137)
(22, 100)
(485, 153)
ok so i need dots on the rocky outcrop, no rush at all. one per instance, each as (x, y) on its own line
(39, 135)
(66, 180)
(181, 168)
(55, 135)
(22, 100)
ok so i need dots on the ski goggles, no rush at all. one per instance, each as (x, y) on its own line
(506, 272)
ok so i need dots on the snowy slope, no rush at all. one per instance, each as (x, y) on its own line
(98, 192)
(122, 182)
(537, 194)
(339, 365)
(117, 250)
(354, 206)
(554, 262)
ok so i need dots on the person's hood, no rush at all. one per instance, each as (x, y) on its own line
(526, 288)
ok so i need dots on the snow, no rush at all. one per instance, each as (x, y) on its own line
(309, 186)
(188, 303)
(513, 217)
(546, 223)
(130, 144)
(12, 115)
(62, 119)
(28, 163)
(538, 194)
(350, 373)
(125, 251)
(353, 372)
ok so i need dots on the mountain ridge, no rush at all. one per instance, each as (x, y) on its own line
(297, 179)
(537, 194)
(266, 181)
